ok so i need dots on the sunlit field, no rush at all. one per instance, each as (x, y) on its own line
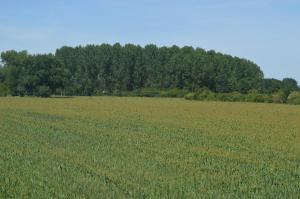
(110, 147)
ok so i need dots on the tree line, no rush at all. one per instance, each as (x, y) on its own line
(111, 69)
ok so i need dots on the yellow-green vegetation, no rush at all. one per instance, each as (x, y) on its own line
(110, 147)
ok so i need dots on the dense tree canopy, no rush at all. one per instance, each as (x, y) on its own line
(108, 68)
(271, 85)
(2, 75)
(105, 68)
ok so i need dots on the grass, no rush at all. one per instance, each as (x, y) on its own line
(110, 147)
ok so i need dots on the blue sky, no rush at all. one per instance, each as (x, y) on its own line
(264, 31)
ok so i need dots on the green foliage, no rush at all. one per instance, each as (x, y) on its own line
(230, 97)
(190, 96)
(204, 95)
(2, 74)
(30, 75)
(14, 63)
(134, 93)
(4, 90)
(173, 93)
(252, 96)
(236, 97)
(289, 85)
(132, 70)
(43, 91)
(294, 98)
(148, 92)
(280, 97)
(92, 69)
(271, 86)
(255, 96)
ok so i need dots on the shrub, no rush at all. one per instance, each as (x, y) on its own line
(124, 93)
(255, 96)
(294, 98)
(100, 93)
(173, 93)
(115, 93)
(237, 97)
(43, 91)
(130, 93)
(4, 90)
(223, 97)
(230, 97)
(190, 96)
(148, 92)
(205, 94)
(163, 94)
(268, 98)
(279, 97)
(21, 91)
(210, 96)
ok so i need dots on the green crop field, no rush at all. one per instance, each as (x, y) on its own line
(110, 147)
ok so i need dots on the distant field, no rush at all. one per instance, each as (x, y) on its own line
(109, 147)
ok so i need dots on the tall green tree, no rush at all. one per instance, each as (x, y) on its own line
(14, 62)
(289, 85)
(271, 85)
(94, 69)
